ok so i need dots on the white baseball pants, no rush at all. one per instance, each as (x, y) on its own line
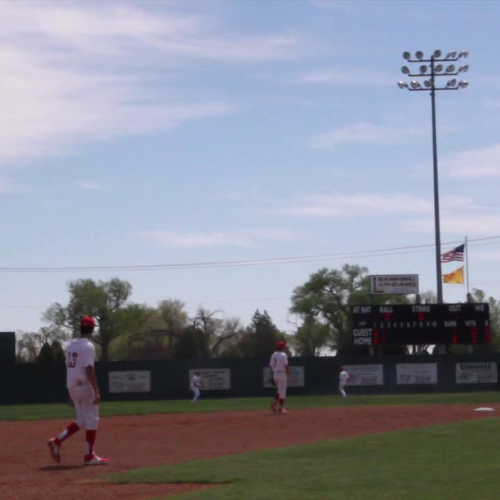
(87, 413)
(281, 383)
(196, 394)
(341, 388)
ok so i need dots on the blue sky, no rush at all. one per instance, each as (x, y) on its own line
(165, 132)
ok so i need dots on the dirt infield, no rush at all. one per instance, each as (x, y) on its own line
(27, 472)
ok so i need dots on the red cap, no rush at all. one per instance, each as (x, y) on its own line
(281, 344)
(87, 322)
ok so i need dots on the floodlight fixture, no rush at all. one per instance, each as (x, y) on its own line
(432, 69)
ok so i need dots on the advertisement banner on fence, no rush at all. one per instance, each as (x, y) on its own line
(129, 381)
(416, 373)
(214, 379)
(394, 284)
(365, 375)
(476, 373)
(295, 379)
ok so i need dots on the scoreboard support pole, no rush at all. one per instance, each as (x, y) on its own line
(371, 350)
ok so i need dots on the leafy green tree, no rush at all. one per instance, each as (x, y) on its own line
(328, 296)
(217, 331)
(104, 300)
(58, 350)
(29, 344)
(191, 344)
(47, 354)
(311, 337)
(173, 314)
(27, 347)
(263, 335)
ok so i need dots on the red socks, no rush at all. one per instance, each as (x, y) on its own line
(68, 432)
(72, 429)
(90, 436)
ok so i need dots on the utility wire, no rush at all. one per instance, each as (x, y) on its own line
(250, 262)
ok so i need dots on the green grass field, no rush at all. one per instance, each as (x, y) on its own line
(43, 412)
(455, 462)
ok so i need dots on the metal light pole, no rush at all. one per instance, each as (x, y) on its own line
(431, 73)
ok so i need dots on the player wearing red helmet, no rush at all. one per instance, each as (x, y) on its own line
(83, 392)
(280, 371)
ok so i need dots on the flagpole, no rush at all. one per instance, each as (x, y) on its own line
(467, 267)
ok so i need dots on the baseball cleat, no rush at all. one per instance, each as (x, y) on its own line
(282, 411)
(55, 450)
(95, 460)
(273, 408)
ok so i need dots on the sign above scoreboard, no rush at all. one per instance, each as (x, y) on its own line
(412, 324)
(405, 284)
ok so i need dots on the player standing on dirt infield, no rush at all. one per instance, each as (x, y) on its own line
(84, 394)
(280, 371)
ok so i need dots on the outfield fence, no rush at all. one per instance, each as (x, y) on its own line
(150, 380)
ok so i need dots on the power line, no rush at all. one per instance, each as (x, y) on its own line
(249, 262)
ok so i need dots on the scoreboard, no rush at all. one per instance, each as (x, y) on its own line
(413, 324)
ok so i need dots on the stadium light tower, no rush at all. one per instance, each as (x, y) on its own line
(437, 65)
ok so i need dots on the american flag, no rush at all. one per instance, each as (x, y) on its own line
(455, 254)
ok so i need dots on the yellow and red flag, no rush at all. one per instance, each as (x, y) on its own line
(454, 278)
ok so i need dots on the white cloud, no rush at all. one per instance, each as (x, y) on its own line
(461, 224)
(491, 103)
(242, 238)
(483, 162)
(354, 205)
(359, 205)
(337, 172)
(90, 185)
(352, 77)
(111, 29)
(488, 256)
(340, 6)
(365, 133)
(6, 186)
(11, 186)
(69, 72)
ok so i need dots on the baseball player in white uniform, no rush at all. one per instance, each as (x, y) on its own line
(84, 394)
(195, 386)
(280, 371)
(343, 378)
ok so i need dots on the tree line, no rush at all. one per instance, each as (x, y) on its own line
(127, 330)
